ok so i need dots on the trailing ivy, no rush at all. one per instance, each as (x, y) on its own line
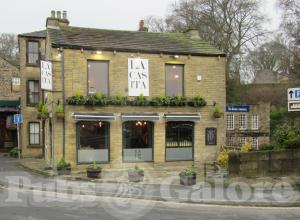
(101, 100)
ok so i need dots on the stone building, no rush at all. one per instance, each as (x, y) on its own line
(248, 124)
(9, 103)
(127, 96)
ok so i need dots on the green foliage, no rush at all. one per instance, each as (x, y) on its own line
(14, 152)
(42, 110)
(137, 169)
(63, 164)
(267, 147)
(101, 100)
(223, 158)
(246, 147)
(94, 166)
(189, 171)
(59, 108)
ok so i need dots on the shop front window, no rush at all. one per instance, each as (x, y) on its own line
(137, 141)
(179, 141)
(93, 141)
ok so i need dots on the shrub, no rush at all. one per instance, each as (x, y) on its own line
(246, 147)
(267, 147)
(190, 171)
(292, 142)
(223, 158)
(63, 164)
(14, 152)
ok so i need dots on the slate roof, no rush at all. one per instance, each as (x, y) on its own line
(39, 34)
(129, 41)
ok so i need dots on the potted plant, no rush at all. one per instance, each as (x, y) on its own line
(93, 171)
(60, 112)
(42, 111)
(217, 111)
(188, 177)
(136, 174)
(63, 168)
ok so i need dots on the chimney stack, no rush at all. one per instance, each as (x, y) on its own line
(142, 27)
(57, 19)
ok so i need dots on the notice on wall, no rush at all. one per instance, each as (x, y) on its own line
(46, 75)
(211, 136)
(138, 77)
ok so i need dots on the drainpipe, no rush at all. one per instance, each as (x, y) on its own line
(63, 98)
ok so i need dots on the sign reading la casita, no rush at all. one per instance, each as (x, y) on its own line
(138, 77)
(46, 75)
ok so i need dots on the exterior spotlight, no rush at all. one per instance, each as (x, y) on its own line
(98, 52)
(176, 56)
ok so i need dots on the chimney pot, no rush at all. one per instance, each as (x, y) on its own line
(52, 14)
(64, 14)
(58, 14)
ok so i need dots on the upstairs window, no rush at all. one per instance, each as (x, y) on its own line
(98, 77)
(254, 122)
(33, 53)
(230, 121)
(174, 80)
(242, 122)
(33, 93)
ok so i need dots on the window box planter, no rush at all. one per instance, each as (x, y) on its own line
(63, 170)
(188, 180)
(136, 175)
(188, 177)
(94, 171)
(217, 114)
(60, 115)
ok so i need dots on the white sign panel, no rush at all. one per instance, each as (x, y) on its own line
(46, 75)
(293, 94)
(138, 77)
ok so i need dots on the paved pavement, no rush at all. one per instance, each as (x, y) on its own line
(279, 193)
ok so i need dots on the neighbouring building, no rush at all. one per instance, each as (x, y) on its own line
(248, 124)
(127, 96)
(9, 103)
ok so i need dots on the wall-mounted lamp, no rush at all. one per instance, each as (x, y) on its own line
(98, 52)
(115, 52)
(81, 50)
(176, 56)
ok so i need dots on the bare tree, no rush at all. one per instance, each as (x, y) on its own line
(230, 25)
(273, 56)
(291, 29)
(9, 47)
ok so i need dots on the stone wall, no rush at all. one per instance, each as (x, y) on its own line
(269, 163)
(7, 72)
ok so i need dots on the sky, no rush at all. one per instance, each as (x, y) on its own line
(21, 16)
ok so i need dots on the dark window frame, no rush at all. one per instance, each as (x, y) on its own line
(78, 124)
(193, 141)
(216, 136)
(27, 92)
(29, 133)
(151, 138)
(183, 68)
(27, 53)
(87, 66)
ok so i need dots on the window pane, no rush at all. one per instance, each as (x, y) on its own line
(98, 77)
(36, 138)
(174, 80)
(33, 52)
(33, 92)
(93, 135)
(230, 121)
(137, 134)
(179, 134)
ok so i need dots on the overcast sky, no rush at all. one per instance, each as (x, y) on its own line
(20, 16)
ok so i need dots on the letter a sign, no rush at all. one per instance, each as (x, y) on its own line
(138, 77)
(46, 75)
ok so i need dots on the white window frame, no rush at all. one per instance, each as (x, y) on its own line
(230, 141)
(36, 133)
(255, 122)
(242, 141)
(244, 127)
(230, 121)
(255, 143)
